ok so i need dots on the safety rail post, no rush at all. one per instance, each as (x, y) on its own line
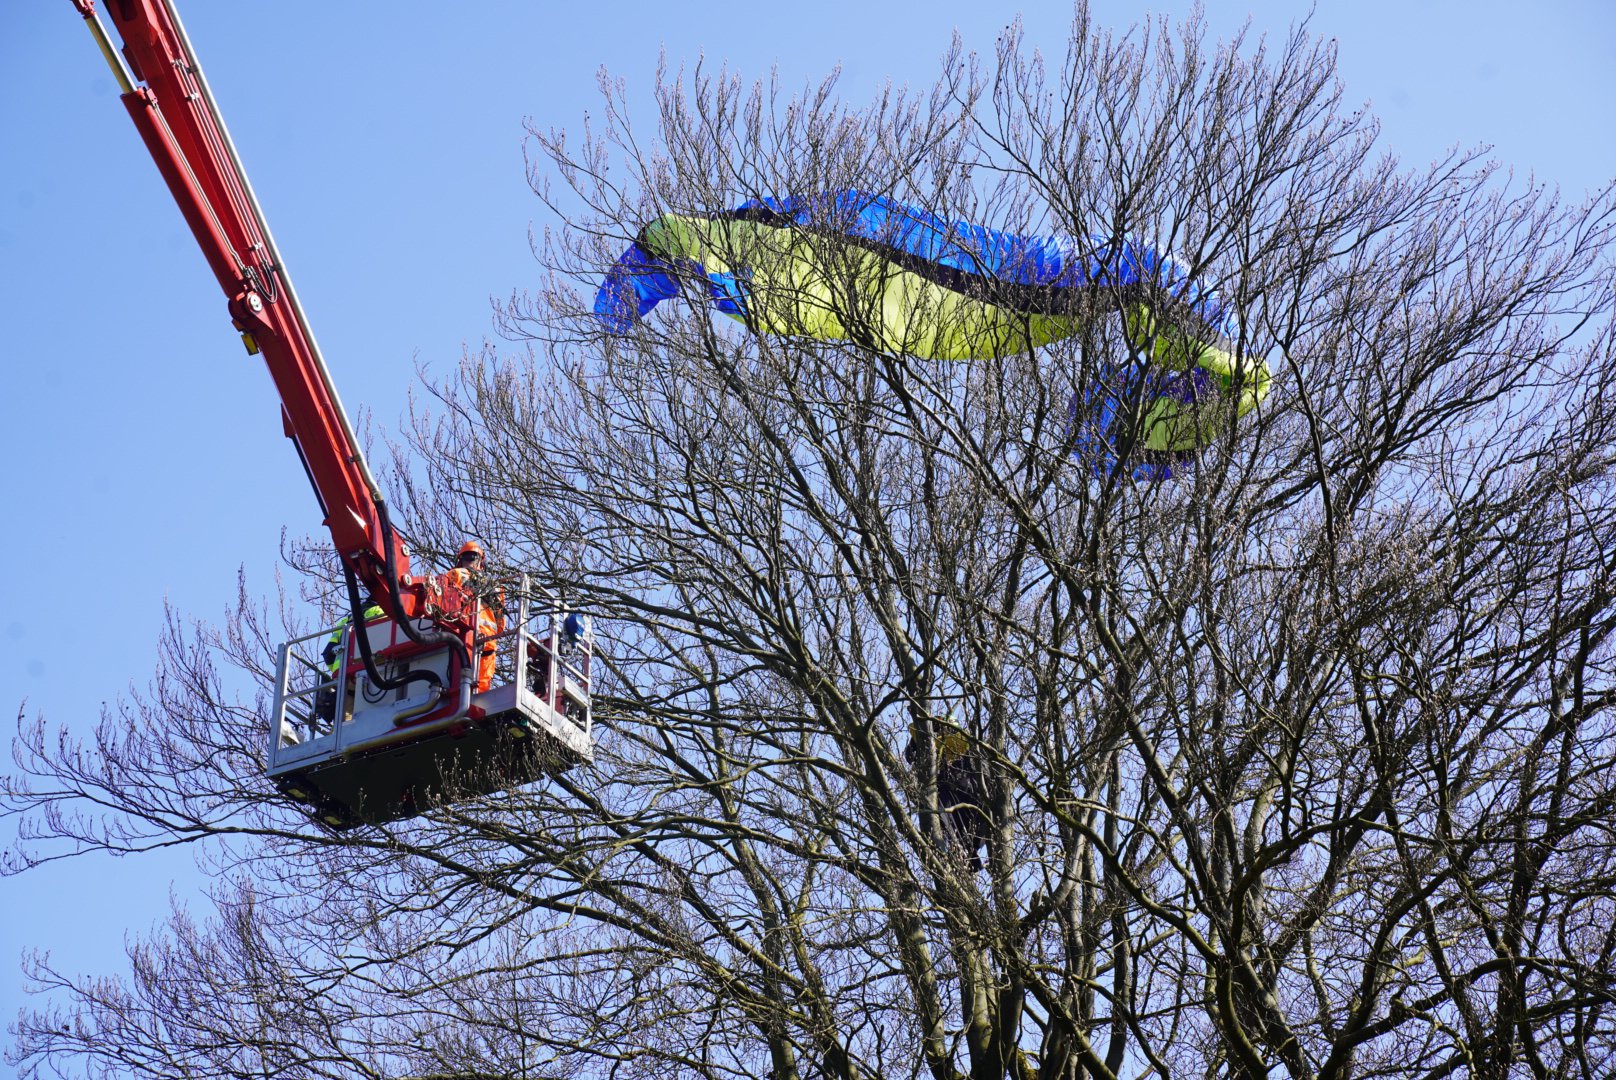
(341, 682)
(519, 644)
(277, 735)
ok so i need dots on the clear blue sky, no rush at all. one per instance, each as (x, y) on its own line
(143, 454)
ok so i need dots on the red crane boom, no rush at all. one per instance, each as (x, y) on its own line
(176, 116)
(351, 742)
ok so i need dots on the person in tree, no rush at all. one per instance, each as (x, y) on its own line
(961, 787)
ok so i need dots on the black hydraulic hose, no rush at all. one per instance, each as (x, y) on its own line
(388, 553)
(392, 576)
(357, 624)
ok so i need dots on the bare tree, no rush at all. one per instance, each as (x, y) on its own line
(1299, 763)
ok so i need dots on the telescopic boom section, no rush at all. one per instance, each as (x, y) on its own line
(169, 101)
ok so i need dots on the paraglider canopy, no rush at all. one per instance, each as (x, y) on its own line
(864, 268)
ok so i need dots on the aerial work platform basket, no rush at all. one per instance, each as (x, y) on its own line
(357, 754)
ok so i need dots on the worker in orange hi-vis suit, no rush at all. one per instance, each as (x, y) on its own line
(490, 616)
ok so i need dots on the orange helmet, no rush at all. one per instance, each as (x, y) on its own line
(470, 547)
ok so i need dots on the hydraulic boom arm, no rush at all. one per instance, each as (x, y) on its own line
(173, 109)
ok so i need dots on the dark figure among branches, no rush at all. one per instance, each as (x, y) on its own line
(1301, 763)
(958, 787)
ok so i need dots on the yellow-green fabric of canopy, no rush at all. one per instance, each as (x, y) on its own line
(890, 277)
